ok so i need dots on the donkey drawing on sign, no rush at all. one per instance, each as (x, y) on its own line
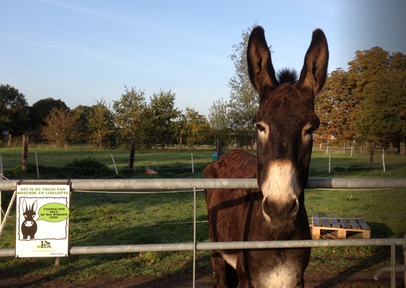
(29, 226)
(285, 122)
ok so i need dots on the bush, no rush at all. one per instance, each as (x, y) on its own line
(86, 167)
(339, 169)
(356, 168)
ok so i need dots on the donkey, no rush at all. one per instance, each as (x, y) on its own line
(285, 122)
(29, 226)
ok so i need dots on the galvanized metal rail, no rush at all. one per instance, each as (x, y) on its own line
(199, 183)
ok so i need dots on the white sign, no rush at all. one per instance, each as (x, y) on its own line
(42, 224)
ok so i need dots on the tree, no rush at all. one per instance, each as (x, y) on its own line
(383, 116)
(41, 109)
(380, 82)
(162, 113)
(219, 121)
(196, 127)
(61, 127)
(128, 114)
(82, 112)
(13, 111)
(100, 126)
(367, 102)
(336, 107)
(366, 67)
(243, 98)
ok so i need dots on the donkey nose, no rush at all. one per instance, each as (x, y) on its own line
(280, 214)
(293, 207)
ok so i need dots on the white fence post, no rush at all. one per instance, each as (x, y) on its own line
(383, 160)
(114, 163)
(36, 163)
(193, 165)
(329, 162)
(1, 167)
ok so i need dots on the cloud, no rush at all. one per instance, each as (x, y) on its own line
(108, 16)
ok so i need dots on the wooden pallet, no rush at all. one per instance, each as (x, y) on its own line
(340, 224)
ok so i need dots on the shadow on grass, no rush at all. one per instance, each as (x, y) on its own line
(357, 276)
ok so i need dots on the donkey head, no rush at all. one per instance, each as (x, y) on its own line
(285, 122)
(29, 213)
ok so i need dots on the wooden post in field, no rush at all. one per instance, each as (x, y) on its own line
(24, 158)
(219, 148)
(404, 261)
(371, 154)
(132, 153)
(402, 147)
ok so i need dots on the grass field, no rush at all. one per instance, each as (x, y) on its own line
(164, 161)
(118, 219)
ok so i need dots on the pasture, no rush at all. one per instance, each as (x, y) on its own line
(118, 219)
(169, 160)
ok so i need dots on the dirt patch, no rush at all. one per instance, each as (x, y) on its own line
(313, 279)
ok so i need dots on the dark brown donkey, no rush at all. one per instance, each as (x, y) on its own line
(285, 122)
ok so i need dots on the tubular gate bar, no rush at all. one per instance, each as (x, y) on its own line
(167, 184)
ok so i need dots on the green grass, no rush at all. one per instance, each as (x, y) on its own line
(168, 163)
(383, 210)
(163, 161)
(343, 165)
(143, 158)
(119, 219)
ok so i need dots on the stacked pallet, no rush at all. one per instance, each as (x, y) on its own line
(341, 225)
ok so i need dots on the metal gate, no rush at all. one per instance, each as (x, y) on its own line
(195, 184)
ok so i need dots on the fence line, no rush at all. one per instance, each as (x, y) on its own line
(201, 183)
(168, 184)
(118, 249)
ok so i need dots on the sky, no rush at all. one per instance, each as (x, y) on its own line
(83, 51)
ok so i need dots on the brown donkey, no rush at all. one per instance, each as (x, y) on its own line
(285, 122)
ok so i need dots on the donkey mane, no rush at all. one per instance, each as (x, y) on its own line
(287, 76)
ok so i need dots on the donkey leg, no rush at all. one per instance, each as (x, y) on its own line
(243, 277)
(224, 275)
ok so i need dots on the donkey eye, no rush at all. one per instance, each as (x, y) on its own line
(259, 127)
(310, 131)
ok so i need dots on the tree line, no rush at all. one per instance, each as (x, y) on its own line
(364, 104)
(157, 123)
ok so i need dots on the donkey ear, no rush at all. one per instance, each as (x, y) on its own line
(314, 71)
(34, 206)
(260, 68)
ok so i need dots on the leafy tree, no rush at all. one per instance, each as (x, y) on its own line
(162, 114)
(128, 114)
(383, 116)
(82, 112)
(41, 109)
(367, 102)
(61, 127)
(336, 107)
(219, 121)
(197, 129)
(100, 126)
(243, 98)
(380, 83)
(366, 68)
(13, 111)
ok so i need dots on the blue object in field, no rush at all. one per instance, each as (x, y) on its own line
(214, 157)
